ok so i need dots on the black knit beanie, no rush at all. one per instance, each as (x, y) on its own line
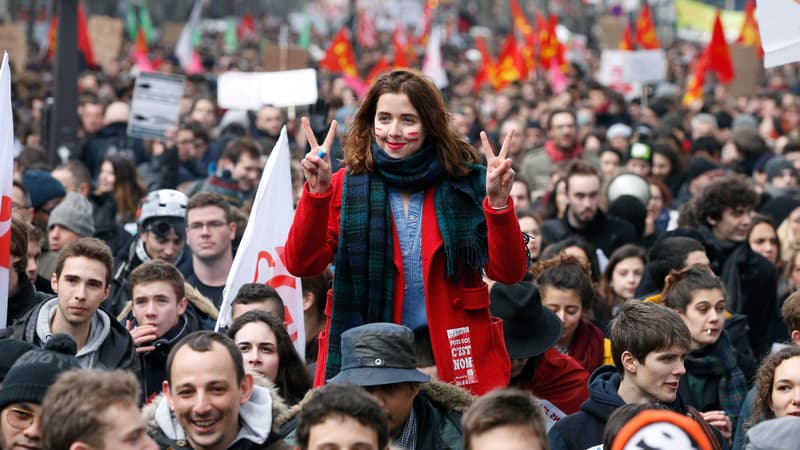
(36, 370)
(10, 351)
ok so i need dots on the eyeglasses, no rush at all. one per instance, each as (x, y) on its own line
(213, 225)
(20, 418)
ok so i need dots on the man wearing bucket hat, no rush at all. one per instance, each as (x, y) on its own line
(531, 330)
(422, 414)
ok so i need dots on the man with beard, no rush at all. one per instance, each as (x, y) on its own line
(562, 145)
(584, 216)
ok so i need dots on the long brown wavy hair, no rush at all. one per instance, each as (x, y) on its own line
(454, 154)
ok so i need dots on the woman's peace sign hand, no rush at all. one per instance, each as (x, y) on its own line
(317, 163)
(499, 174)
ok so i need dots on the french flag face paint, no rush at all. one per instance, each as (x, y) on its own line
(398, 127)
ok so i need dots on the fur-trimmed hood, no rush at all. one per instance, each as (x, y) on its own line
(154, 410)
(201, 303)
(445, 395)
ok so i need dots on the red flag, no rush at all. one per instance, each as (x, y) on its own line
(521, 23)
(749, 33)
(719, 54)
(400, 45)
(246, 28)
(84, 43)
(141, 46)
(560, 55)
(6, 177)
(487, 71)
(627, 40)
(339, 57)
(646, 36)
(529, 54)
(510, 65)
(367, 35)
(694, 87)
(380, 67)
(426, 22)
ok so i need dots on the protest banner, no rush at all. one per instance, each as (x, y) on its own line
(642, 66)
(695, 21)
(106, 36)
(155, 104)
(251, 90)
(260, 258)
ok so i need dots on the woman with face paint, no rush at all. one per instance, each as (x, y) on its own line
(411, 224)
(716, 373)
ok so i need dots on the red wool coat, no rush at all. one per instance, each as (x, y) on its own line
(467, 342)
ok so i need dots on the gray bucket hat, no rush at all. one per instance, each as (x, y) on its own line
(377, 354)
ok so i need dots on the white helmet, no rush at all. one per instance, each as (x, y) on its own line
(163, 203)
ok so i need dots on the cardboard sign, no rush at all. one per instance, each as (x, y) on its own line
(155, 105)
(611, 30)
(747, 67)
(251, 90)
(292, 58)
(643, 66)
(12, 39)
(170, 32)
(106, 36)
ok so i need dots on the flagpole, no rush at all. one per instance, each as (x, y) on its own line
(62, 142)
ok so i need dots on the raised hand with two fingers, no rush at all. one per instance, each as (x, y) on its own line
(317, 163)
(499, 174)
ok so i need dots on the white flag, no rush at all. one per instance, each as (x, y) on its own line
(432, 67)
(6, 177)
(183, 48)
(260, 255)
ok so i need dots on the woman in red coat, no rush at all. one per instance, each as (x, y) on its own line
(410, 224)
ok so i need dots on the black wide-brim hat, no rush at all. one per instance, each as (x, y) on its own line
(529, 327)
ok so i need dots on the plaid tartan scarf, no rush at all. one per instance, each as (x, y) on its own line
(722, 362)
(364, 277)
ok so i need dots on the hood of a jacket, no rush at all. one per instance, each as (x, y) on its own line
(603, 398)
(775, 434)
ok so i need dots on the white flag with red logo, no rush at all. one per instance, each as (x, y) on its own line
(6, 177)
(260, 256)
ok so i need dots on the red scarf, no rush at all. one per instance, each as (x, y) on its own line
(558, 154)
(587, 345)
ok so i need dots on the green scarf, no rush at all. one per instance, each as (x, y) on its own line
(364, 277)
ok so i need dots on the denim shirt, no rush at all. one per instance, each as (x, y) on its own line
(409, 232)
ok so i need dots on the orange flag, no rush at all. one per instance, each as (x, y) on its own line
(694, 87)
(646, 30)
(749, 34)
(510, 66)
(141, 46)
(627, 40)
(339, 57)
(521, 23)
(719, 54)
(488, 70)
(529, 54)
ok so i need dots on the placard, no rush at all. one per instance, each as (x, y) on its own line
(106, 36)
(643, 66)
(611, 30)
(12, 39)
(779, 26)
(296, 58)
(251, 90)
(747, 68)
(170, 32)
(155, 104)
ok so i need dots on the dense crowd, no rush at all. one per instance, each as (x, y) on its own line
(524, 268)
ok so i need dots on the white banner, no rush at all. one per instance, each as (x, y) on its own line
(779, 27)
(252, 90)
(6, 177)
(640, 66)
(260, 256)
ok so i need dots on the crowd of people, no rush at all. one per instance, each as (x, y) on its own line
(522, 269)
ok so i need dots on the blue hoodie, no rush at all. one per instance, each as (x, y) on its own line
(584, 429)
